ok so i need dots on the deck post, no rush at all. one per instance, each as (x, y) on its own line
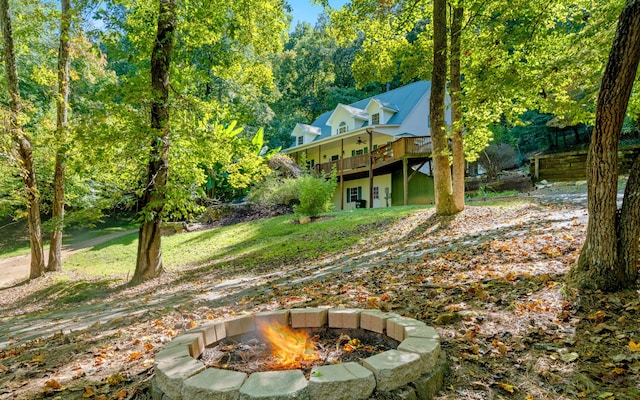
(405, 180)
(370, 132)
(341, 174)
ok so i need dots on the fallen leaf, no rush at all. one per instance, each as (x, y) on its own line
(507, 387)
(569, 357)
(53, 384)
(88, 392)
(115, 379)
(121, 394)
(633, 346)
(597, 316)
(134, 355)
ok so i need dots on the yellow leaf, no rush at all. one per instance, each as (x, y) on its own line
(192, 324)
(633, 346)
(507, 387)
(134, 355)
(88, 392)
(529, 396)
(115, 379)
(53, 384)
(121, 394)
(38, 359)
(597, 316)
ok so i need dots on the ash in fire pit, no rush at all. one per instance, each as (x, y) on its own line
(254, 353)
(351, 354)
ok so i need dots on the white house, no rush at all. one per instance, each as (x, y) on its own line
(380, 147)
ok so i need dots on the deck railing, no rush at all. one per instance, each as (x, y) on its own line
(410, 146)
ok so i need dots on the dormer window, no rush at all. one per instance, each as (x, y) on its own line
(300, 140)
(375, 119)
(342, 128)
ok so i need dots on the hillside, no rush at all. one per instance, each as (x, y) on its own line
(489, 280)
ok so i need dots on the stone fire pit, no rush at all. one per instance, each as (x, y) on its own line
(412, 371)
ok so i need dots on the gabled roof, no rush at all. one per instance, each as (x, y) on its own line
(357, 113)
(404, 99)
(385, 105)
(314, 130)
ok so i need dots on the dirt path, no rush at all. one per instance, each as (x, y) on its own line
(16, 269)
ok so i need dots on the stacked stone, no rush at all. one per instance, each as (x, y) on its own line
(413, 370)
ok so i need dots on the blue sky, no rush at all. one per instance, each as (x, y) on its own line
(304, 11)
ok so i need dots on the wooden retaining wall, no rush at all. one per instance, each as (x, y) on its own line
(572, 166)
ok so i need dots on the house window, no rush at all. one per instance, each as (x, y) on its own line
(342, 128)
(335, 157)
(376, 193)
(300, 140)
(354, 194)
(359, 152)
(375, 119)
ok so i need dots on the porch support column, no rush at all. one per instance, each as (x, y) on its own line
(370, 132)
(405, 180)
(341, 174)
(319, 159)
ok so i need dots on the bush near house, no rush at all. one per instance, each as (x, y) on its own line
(309, 195)
(314, 194)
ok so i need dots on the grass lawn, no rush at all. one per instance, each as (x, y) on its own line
(256, 244)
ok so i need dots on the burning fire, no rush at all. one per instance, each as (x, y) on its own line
(290, 349)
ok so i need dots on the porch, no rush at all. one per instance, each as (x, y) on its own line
(382, 159)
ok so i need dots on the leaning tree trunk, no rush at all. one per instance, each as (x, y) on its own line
(456, 110)
(629, 225)
(441, 170)
(55, 247)
(149, 260)
(22, 151)
(598, 266)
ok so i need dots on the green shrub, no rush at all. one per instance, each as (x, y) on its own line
(315, 195)
(274, 191)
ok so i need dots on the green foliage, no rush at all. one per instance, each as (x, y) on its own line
(309, 194)
(315, 194)
(313, 74)
(274, 190)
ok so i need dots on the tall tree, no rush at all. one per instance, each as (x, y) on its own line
(149, 258)
(457, 147)
(22, 151)
(441, 172)
(62, 128)
(609, 257)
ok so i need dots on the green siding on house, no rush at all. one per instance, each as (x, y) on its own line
(420, 189)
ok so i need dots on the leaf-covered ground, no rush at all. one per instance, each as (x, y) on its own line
(489, 280)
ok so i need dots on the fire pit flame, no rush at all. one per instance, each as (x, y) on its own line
(291, 349)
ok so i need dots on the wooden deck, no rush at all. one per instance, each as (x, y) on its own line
(403, 148)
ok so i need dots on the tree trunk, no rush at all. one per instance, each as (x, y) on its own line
(149, 259)
(55, 247)
(598, 266)
(442, 172)
(22, 152)
(456, 110)
(629, 225)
